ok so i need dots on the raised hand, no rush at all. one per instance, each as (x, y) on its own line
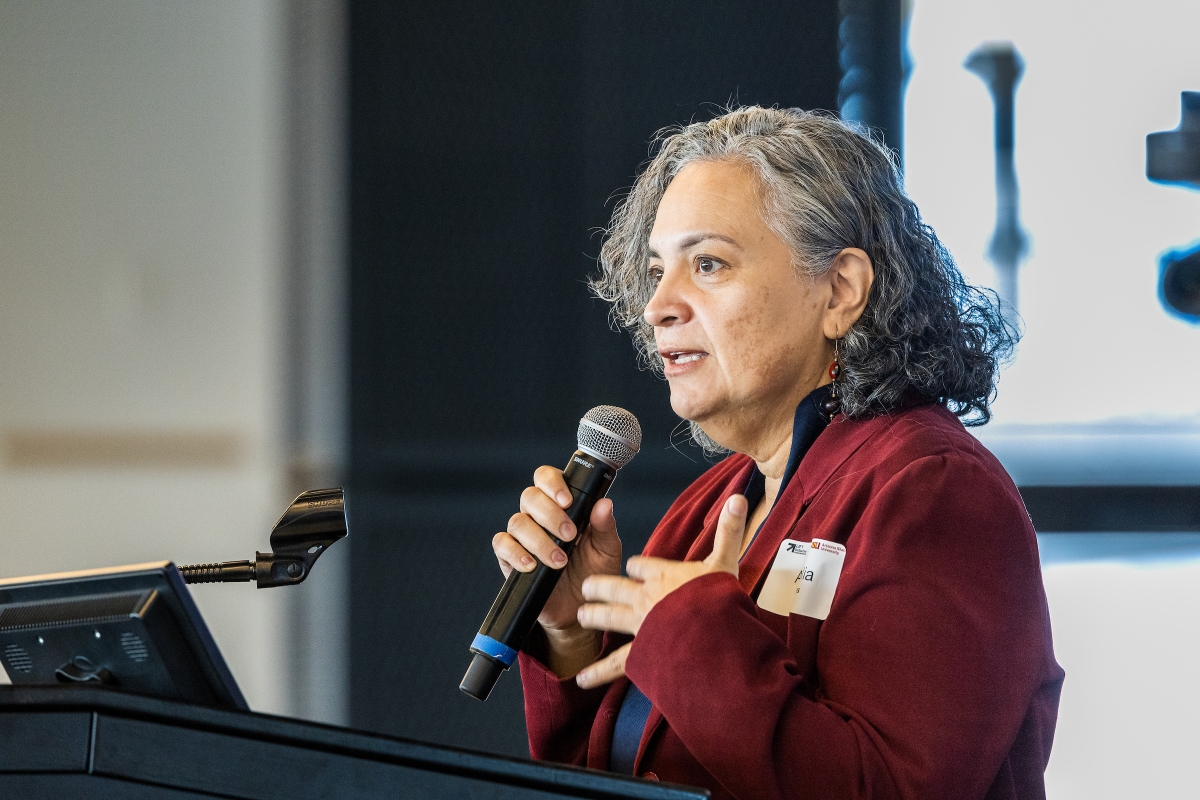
(621, 604)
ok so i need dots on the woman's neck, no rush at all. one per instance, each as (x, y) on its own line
(770, 446)
(771, 461)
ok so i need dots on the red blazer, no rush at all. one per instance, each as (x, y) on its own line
(933, 676)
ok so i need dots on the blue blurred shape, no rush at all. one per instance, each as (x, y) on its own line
(1179, 281)
(1142, 549)
(1134, 452)
(999, 66)
(1174, 156)
(872, 55)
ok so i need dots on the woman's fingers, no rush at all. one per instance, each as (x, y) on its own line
(612, 589)
(621, 604)
(551, 481)
(536, 542)
(510, 554)
(545, 512)
(604, 671)
(614, 604)
(541, 510)
(646, 568)
(609, 617)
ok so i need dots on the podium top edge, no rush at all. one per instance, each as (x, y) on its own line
(102, 572)
(248, 726)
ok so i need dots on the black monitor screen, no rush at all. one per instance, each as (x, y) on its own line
(135, 628)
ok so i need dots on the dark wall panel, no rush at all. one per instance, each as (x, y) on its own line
(487, 143)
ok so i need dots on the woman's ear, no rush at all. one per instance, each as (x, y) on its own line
(850, 278)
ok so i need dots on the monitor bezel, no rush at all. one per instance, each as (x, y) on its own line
(162, 576)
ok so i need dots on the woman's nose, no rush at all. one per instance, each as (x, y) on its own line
(668, 305)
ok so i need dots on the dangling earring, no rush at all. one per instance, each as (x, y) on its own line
(833, 403)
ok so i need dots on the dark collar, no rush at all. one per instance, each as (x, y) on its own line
(807, 425)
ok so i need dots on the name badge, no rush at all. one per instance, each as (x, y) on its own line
(778, 594)
(803, 578)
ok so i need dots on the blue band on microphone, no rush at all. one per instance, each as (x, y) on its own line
(490, 647)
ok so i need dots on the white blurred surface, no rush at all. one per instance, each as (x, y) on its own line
(1105, 387)
(140, 250)
(1097, 79)
(1126, 634)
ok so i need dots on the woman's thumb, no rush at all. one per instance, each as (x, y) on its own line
(602, 521)
(731, 528)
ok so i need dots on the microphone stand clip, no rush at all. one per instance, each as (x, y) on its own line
(314, 521)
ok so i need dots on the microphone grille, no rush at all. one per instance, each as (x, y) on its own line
(610, 433)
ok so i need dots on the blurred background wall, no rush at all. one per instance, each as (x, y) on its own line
(1098, 418)
(141, 247)
(487, 143)
(170, 210)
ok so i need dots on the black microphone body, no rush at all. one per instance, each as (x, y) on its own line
(524, 595)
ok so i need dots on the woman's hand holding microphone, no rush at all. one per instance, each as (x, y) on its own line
(598, 552)
(592, 596)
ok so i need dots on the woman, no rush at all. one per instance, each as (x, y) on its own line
(808, 322)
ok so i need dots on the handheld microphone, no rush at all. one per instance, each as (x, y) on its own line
(609, 438)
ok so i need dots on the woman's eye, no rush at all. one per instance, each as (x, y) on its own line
(656, 274)
(706, 265)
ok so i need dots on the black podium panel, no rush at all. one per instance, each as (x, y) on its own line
(95, 744)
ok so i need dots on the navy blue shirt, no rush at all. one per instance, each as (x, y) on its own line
(810, 420)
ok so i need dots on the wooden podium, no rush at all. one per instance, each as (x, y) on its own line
(93, 743)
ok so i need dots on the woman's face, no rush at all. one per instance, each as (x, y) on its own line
(740, 333)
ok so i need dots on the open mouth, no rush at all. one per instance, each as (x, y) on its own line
(681, 357)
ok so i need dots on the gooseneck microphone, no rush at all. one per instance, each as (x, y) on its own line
(609, 438)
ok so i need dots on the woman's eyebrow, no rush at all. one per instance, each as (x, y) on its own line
(693, 239)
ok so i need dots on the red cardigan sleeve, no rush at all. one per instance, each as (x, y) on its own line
(940, 604)
(558, 713)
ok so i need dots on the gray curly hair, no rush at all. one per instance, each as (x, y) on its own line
(925, 335)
